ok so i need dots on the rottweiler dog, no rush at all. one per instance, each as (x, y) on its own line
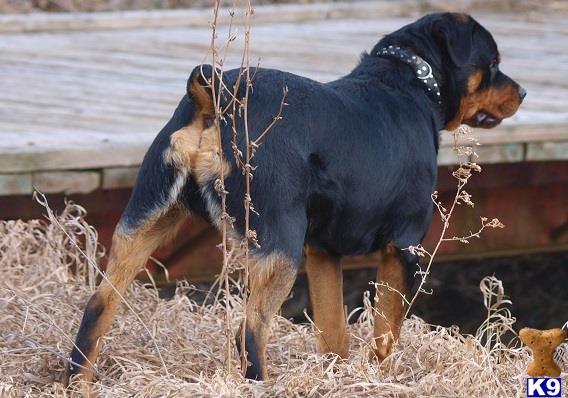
(349, 170)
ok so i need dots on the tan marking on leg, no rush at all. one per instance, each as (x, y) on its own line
(389, 302)
(128, 255)
(326, 293)
(270, 282)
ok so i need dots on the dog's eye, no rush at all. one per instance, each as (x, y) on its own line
(494, 68)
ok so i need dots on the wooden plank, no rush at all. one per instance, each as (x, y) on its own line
(446, 156)
(15, 184)
(507, 153)
(81, 100)
(67, 182)
(121, 177)
(516, 134)
(502, 148)
(486, 154)
(199, 17)
(73, 158)
(544, 151)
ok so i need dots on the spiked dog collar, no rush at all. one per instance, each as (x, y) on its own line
(422, 69)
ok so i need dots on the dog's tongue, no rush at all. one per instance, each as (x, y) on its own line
(484, 118)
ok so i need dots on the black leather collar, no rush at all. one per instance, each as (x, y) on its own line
(422, 69)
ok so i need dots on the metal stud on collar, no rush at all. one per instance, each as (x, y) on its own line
(422, 68)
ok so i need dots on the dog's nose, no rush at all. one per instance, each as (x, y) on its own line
(522, 93)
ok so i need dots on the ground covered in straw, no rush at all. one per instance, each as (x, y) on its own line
(160, 348)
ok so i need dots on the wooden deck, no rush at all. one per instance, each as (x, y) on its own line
(78, 109)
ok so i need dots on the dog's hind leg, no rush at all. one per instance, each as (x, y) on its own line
(183, 154)
(271, 276)
(271, 279)
(130, 251)
(390, 301)
(326, 293)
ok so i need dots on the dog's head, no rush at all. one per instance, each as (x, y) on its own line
(465, 56)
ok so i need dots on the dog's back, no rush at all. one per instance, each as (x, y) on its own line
(350, 171)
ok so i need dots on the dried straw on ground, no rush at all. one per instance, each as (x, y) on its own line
(41, 303)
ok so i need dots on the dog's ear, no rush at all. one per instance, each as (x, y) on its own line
(199, 90)
(454, 33)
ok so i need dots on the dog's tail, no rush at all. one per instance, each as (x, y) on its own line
(199, 87)
(183, 154)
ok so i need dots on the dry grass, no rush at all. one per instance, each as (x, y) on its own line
(41, 303)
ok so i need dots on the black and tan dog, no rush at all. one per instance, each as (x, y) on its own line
(348, 170)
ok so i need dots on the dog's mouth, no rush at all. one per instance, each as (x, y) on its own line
(484, 120)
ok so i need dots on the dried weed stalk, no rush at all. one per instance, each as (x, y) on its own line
(236, 253)
(464, 147)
